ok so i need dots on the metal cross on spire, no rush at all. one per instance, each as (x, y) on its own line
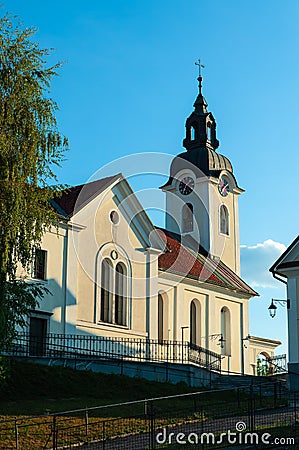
(200, 65)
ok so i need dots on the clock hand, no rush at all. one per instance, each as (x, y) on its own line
(224, 188)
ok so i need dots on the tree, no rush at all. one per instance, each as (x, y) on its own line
(30, 146)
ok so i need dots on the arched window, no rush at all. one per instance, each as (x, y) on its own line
(223, 219)
(120, 308)
(160, 318)
(195, 325)
(163, 317)
(106, 294)
(187, 218)
(209, 131)
(193, 133)
(225, 331)
(114, 292)
(192, 323)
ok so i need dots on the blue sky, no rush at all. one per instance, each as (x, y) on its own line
(129, 83)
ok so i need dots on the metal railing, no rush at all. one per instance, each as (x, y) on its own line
(277, 364)
(130, 349)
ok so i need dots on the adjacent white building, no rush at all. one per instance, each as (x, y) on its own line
(286, 270)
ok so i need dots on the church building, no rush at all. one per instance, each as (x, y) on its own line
(113, 274)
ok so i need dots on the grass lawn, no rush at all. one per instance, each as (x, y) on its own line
(33, 389)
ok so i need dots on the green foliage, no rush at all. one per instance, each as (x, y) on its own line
(30, 146)
(262, 367)
(20, 297)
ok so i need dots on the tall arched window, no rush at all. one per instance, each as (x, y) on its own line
(223, 218)
(120, 308)
(192, 323)
(160, 318)
(106, 294)
(163, 317)
(195, 322)
(225, 331)
(187, 218)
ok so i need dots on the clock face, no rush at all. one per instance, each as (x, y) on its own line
(186, 186)
(223, 187)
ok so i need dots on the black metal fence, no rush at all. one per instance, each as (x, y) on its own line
(238, 418)
(142, 350)
(277, 364)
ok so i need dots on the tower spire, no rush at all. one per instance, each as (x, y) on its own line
(200, 125)
(200, 66)
(200, 103)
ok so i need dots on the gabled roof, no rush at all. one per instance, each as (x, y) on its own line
(199, 265)
(283, 262)
(74, 198)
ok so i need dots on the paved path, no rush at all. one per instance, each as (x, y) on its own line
(264, 419)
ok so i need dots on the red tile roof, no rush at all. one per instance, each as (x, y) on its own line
(183, 261)
(75, 197)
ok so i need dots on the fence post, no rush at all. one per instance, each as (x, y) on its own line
(86, 425)
(167, 359)
(17, 434)
(202, 425)
(251, 410)
(152, 427)
(295, 413)
(104, 434)
(54, 433)
(147, 349)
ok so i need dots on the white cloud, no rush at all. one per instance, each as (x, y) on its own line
(256, 261)
(268, 244)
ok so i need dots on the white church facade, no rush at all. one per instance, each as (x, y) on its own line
(113, 274)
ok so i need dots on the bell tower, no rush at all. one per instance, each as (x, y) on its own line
(202, 191)
(200, 125)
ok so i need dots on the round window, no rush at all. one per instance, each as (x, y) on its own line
(114, 255)
(114, 217)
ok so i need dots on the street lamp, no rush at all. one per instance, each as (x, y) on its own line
(242, 352)
(273, 308)
(221, 341)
